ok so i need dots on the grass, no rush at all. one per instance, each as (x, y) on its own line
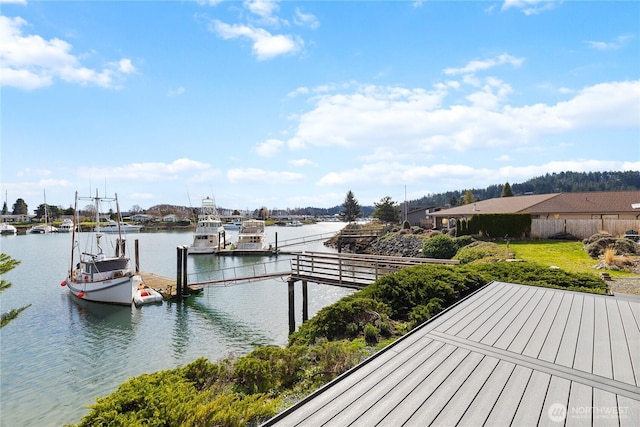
(569, 256)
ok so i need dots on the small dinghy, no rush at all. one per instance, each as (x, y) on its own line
(145, 295)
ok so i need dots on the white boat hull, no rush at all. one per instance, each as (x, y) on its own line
(113, 291)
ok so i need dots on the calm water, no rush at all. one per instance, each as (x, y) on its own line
(61, 353)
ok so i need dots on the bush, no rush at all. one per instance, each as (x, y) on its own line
(344, 319)
(422, 313)
(480, 251)
(370, 333)
(439, 246)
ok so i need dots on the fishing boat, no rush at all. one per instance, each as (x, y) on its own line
(119, 227)
(252, 235)
(209, 236)
(98, 276)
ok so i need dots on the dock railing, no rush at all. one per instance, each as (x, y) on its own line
(350, 270)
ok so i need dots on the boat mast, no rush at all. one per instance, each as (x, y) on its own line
(119, 219)
(73, 233)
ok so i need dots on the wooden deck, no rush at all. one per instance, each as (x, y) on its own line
(506, 355)
(166, 286)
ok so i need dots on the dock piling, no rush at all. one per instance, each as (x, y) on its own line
(292, 316)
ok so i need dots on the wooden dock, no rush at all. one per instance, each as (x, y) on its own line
(165, 286)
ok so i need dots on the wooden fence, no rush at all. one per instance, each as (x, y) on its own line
(582, 228)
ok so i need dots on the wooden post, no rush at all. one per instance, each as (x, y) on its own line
(305, 302)
(276, 241)
(179, 273)
(292, 315)
(339, 245)
(137, 257)
(185, 289)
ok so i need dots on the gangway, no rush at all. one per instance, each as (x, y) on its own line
(303, 240)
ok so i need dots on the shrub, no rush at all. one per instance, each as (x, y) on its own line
(335, 321)
(332, 358)
(422, 313)
(439, 246)
(417, 285)
(370, 333)
(480, 251)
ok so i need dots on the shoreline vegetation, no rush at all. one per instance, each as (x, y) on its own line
(249, 389)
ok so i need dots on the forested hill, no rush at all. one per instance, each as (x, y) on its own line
(563, 182)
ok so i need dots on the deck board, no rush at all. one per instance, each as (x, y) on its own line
(507, 355)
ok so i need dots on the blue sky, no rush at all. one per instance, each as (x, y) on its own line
(292, 104)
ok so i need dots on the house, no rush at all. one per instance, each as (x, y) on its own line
(418, 215)
(581, 214)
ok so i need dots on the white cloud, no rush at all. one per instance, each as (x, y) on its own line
(302, 162)
(148, 172)
(269, 148)
(265, 44)
(531, 7)
(254, 175)
(481, 65)
(417, 122)
(617, 43)
(31, 62)
(176, 92)
(262, 8)
(305, 19)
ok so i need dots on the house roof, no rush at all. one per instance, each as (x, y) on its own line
(506, 355)
(597, 201)
(601, 202)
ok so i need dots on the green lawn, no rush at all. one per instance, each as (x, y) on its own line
(569, 256)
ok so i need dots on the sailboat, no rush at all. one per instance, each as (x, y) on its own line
(46, 227)
(97, 276)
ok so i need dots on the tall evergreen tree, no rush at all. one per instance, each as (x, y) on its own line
(351, 208)
(5, 210)
(506, 191)
(386, 211)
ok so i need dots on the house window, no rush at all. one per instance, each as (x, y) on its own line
(610, 216)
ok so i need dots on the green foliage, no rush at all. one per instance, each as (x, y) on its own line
(351, 208)
(480, 251)
(527, 273)
(346, 318)
(370, 333)
(332, 358)
(20, 208)
(422, 313)
(496, 225)
(463, 241)
(7, 264)
(418, 285)
(232, 410)
(506, 191)
(163, 398)
(439, 246)
(387, 211)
